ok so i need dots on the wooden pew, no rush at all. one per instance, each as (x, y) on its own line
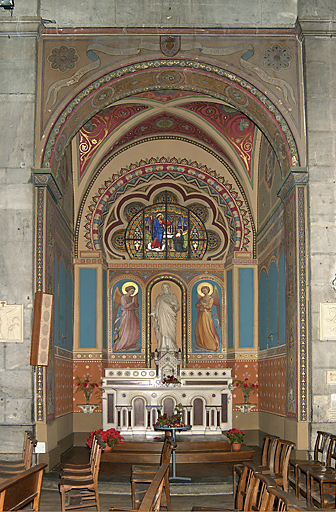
(22, 489)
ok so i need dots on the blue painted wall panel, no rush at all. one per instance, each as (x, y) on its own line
(87, 307)
(263, 311)
(282, 300)
(69, 319)
(246, 307)
(230, 309)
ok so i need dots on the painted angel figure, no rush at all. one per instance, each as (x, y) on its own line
(126, 317)
(206, 335)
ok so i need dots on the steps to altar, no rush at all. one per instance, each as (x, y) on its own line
(189, 451)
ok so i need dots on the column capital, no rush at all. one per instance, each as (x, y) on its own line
(45, 178)
(298, 176)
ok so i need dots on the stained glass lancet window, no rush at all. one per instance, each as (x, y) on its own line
(166, 230)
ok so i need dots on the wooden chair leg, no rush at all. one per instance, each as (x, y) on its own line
(97, 499)
(63, 500)
(167, 491)
(133, 494)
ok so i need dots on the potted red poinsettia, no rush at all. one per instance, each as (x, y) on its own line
(236, 438)
(110, 437)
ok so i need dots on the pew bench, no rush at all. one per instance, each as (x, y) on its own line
(25, 487)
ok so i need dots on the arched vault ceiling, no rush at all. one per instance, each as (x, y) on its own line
(225, 130)
(145, 164)
(165, 74)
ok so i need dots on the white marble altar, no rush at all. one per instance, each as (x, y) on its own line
(132, 397)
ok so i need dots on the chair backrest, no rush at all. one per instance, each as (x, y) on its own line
(95, 464)
(257, 496)
(281, 461)
(23, 488)
(243, 486)
(331, 454)
(321, 448)
(93, 452)
(27, 453)
(152, 498)
(281, 500)
(268, 450)
(167, 449)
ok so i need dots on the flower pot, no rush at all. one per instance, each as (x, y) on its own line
(236, 447)
(108, 449)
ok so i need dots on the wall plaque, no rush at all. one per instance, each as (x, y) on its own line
(327, 321)
(11, 322)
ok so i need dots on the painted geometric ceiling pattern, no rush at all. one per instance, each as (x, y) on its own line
(234, 126)
(100, 126)
(168, 124)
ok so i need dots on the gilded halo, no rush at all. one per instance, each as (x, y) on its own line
(200, 286)
(127, 284)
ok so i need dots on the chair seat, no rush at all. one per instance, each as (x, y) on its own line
(81, 483)
(76, 467)
(12, 469)
(9, 463)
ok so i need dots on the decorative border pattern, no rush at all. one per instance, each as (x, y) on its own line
(216, 186)
(236, 86)
(303, 302)
(38, 286)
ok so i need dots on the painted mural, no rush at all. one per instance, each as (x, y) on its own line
(126, 317)
(207, 306)
(178, 170)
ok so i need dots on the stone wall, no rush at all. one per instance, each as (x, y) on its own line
(17, 106)
(320, 76)
(18, 44)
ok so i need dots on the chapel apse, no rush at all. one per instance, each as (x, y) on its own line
(203, 130)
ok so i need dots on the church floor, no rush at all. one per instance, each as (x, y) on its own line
(211, 484)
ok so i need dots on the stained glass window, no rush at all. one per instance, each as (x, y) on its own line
(166, 230)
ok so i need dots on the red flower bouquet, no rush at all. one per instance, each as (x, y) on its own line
(111, 437)
(235, 435)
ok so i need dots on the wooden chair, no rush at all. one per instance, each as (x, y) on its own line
(152, 498)
(243, 497)
(278, 499)
(322, 489)
(82, 469)
(82, 488)
(14, 466)
(20, 490)
(257, 494)
(267, 457)
(279, 463)
(144, 474)
(303, 480)
(321, 450)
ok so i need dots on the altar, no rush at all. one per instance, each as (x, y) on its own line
(132, 398)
